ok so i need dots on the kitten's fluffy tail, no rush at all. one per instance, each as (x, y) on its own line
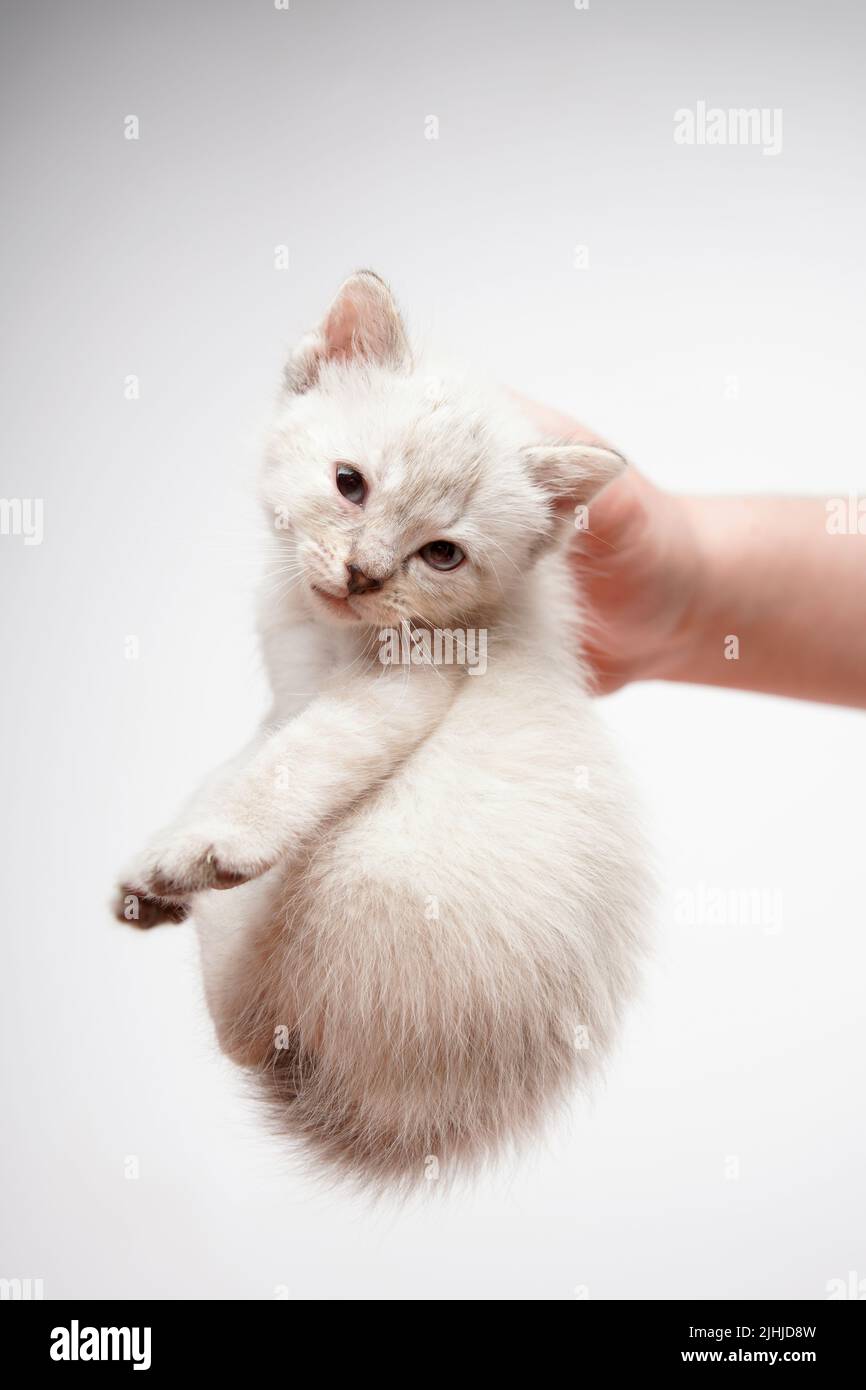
(421, 1093)
(397, 1133)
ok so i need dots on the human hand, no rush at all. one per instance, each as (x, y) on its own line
(746, 593)
(638, 567)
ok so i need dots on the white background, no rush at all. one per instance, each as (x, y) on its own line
(156, 257)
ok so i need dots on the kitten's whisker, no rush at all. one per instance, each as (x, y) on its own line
(585, 531)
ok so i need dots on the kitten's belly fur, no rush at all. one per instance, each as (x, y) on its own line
(457, 948)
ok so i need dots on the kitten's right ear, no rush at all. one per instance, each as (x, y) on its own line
(573, 472)
(363, 323)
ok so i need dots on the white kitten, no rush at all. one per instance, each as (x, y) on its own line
(442, 893)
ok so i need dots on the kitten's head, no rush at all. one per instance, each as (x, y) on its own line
(400, 496)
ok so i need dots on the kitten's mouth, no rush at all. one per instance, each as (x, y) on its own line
(336, 605)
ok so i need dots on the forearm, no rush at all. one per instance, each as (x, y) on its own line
(301, 776)
(340, 747)
(780, 604)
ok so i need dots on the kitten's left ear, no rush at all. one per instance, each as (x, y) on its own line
(363, 324)
(573, 472)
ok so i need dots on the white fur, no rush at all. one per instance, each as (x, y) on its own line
(442, 894)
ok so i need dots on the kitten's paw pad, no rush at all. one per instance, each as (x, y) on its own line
(137, 909)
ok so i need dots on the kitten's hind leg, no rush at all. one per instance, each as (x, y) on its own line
(242, 938)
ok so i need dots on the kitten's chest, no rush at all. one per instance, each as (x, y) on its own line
(298, 662)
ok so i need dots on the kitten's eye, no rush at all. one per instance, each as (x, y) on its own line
(351, 484)
(442, 555)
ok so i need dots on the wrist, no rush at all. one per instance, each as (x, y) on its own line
(704, 555)
(717, 610)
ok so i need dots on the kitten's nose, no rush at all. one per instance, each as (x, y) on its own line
(361, 583)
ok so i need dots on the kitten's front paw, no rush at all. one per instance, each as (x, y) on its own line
(136, 909)
(214, 856)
